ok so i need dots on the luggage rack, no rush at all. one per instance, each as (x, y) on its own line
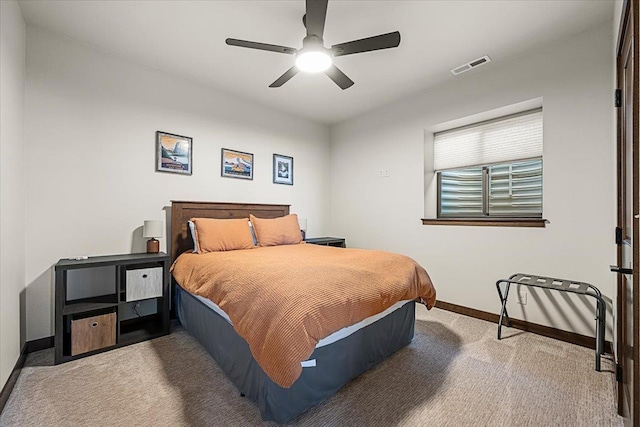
(562, 285)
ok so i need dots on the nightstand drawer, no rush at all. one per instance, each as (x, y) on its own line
(144, 283)
(93, 333)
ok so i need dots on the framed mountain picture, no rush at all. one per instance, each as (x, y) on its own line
(174, 153)
(237, 164)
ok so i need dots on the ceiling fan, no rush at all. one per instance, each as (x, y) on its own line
(314, 57)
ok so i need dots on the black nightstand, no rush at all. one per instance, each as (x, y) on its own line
(106, 302)
(338, 242)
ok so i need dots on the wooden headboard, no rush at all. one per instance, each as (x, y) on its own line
(182, 212)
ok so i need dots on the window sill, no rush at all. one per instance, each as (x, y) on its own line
(488, 222)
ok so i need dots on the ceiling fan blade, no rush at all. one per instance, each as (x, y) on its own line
(315, 17)
(285, 77)
(339, 77)
(261, 46)
(383, 41)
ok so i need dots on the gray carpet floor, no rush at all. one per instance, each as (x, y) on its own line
(454, 373)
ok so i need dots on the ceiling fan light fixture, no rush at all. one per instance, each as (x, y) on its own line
(314, 57)
(313, 61)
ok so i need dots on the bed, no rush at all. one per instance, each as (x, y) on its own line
(334, 361)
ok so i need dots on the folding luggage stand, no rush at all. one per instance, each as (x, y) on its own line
(563, 285)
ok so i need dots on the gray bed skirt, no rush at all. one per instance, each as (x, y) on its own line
(336, 363)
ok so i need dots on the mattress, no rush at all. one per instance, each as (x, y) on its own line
(338, 335)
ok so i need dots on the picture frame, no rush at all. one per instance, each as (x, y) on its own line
(282, 169)
(236, 164)
(174, 153)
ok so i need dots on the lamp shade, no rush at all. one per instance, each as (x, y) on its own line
(152, 229)
(303, 223)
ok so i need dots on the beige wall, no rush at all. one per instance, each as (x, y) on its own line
(91, 123)
(574, 80)
(12, 188)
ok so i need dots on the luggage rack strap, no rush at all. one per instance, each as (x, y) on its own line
(565, 285)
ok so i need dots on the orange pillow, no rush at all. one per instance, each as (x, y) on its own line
(215, 235)
(277, 231)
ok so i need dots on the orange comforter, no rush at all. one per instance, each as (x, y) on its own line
(283, 299)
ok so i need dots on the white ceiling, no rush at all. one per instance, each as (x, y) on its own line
(187, 38)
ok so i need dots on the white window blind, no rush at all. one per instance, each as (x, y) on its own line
(506, 139)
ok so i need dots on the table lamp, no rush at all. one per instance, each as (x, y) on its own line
(152, 229)
(303, 227)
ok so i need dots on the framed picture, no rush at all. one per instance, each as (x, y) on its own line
(236, 164)
(282, 169)
(173, 153)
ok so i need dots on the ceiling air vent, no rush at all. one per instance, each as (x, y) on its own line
(469, 65)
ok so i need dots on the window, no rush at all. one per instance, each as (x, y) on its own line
(491, 169)
(503, 190)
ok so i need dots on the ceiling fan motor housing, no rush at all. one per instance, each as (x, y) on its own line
(313, 43)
